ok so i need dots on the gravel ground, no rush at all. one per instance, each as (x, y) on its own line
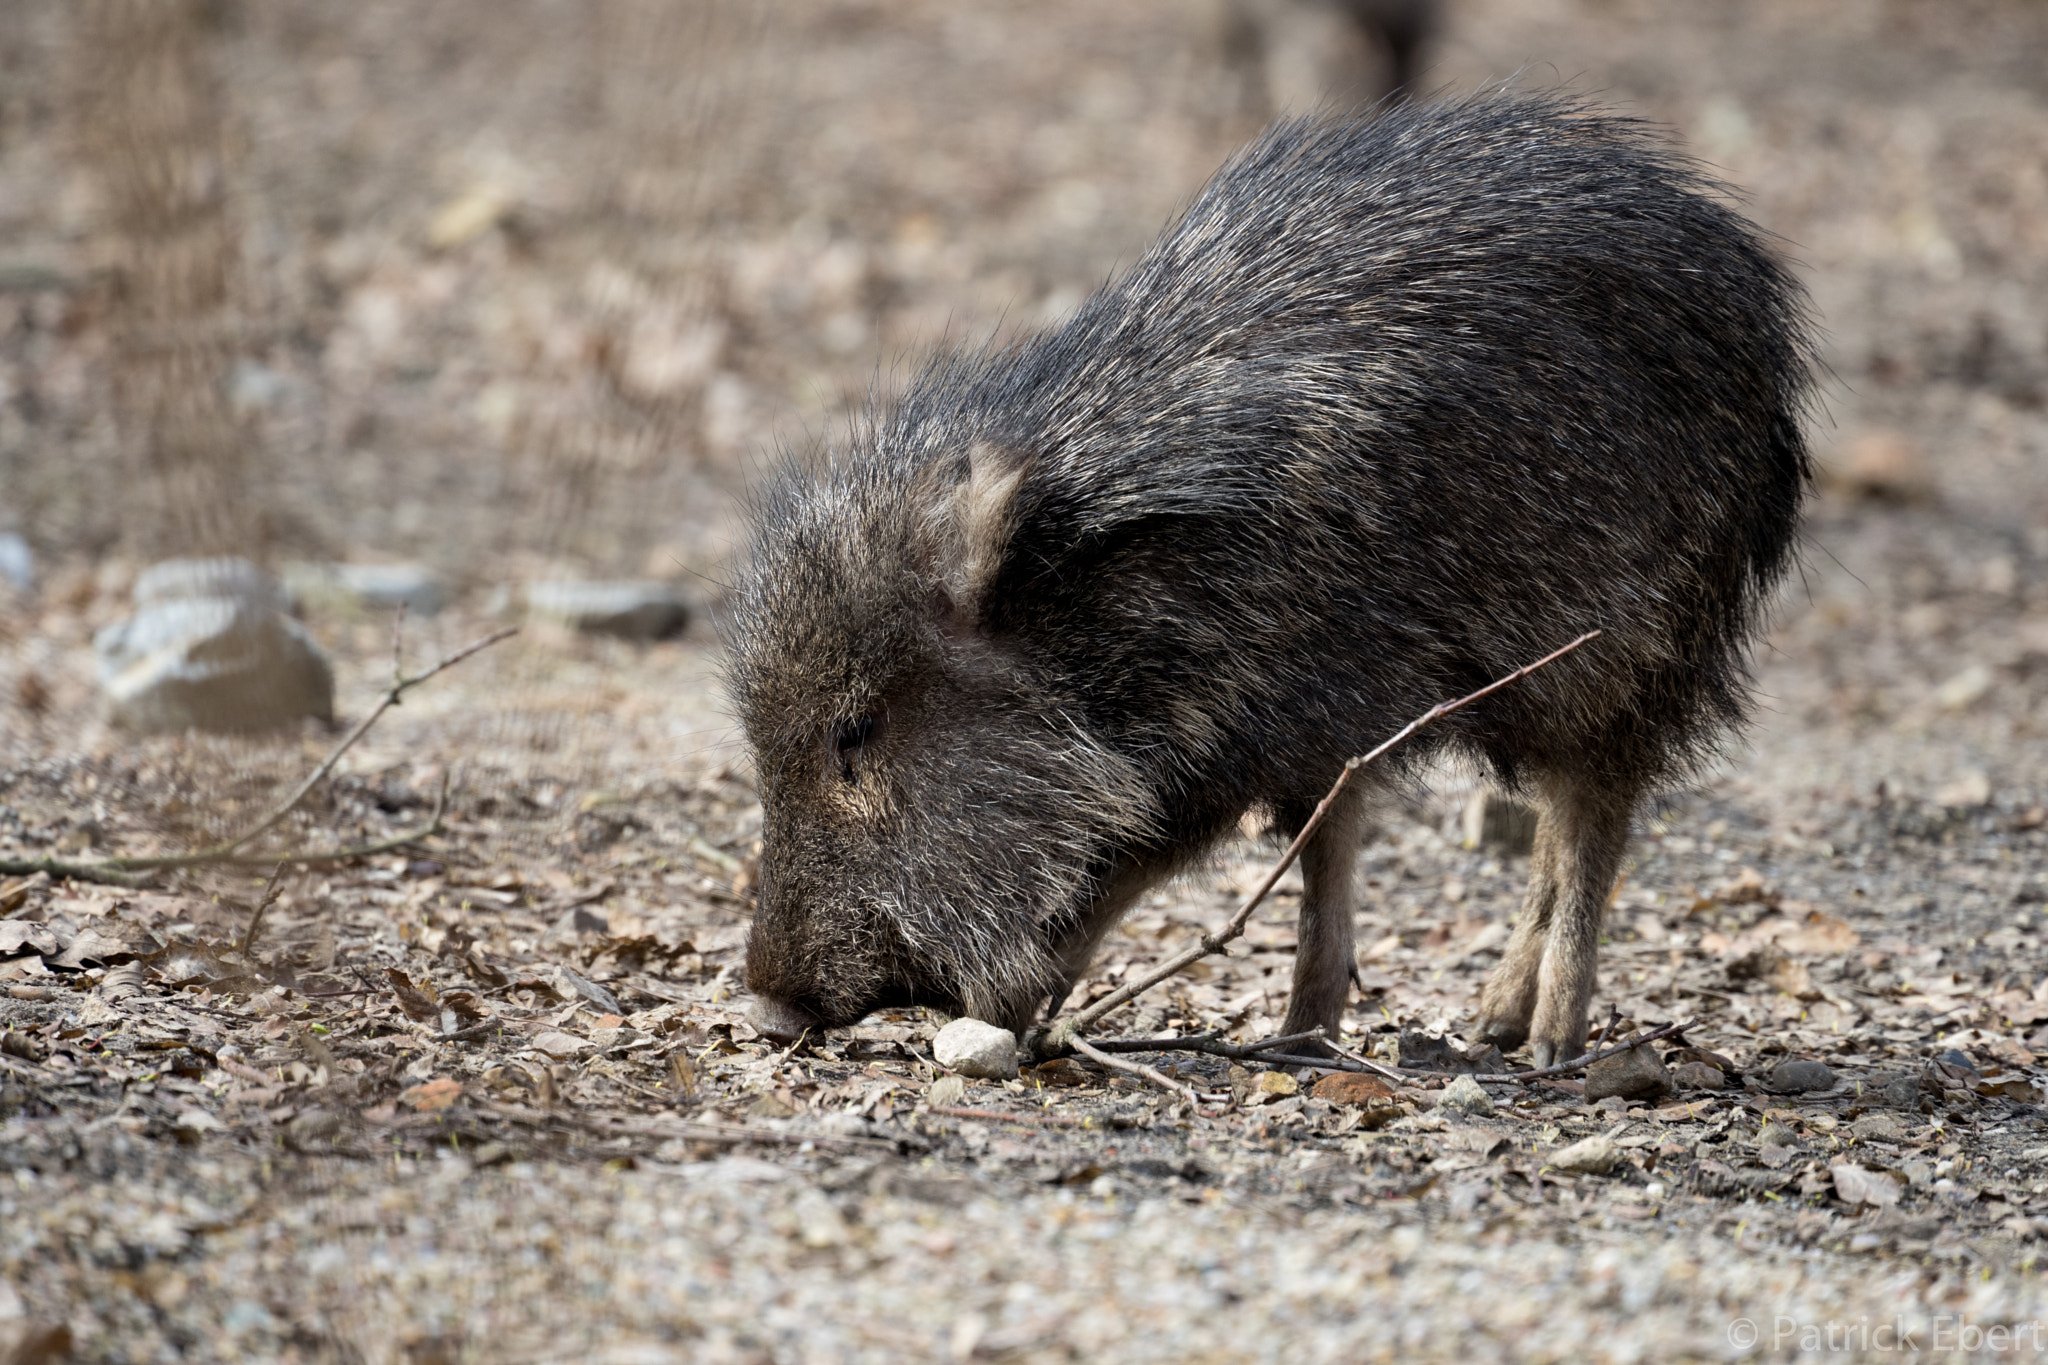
(223, 1150)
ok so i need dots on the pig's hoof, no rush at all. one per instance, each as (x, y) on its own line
(1505, 1034)
(1506, 1028)
(1545, 1052)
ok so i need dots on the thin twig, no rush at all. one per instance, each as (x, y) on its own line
(1600, 1034)
(262, 903)
(227, 852)
(76, 872)
(399, 686)
(1335, 1064)
(1138, 1069)
(688, 1132)
(1580, 1063)
(1062, 1035)
(1347, 1060)
(433, 827)
(1032, 1119)
(1391, 1073)
(1207, 1043)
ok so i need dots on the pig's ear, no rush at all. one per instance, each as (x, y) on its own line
(973, 513)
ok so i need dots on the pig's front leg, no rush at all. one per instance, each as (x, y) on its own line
(1323, 960)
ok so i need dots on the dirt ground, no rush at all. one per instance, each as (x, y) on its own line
(481, 342)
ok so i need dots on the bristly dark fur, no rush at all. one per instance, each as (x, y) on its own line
(1397, 405)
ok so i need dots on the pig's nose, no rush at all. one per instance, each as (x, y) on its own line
(781, 1021)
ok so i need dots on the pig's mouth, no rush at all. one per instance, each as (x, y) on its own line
(784, 1021)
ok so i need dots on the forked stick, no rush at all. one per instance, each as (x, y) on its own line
(114, 871)
(1061, 1037)
(400, 685)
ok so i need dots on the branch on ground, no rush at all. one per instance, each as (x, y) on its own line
(120, 871)
(1065, 1036)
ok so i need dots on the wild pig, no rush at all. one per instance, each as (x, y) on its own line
(1397, 404)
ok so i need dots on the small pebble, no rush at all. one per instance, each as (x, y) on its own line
(1594, 1156)
(1467, 1097)
(1882, 1125)
(1902, 1092)
(1635, 1074)
(1776, 1135)
(1800, 1075)
(1697, 1076)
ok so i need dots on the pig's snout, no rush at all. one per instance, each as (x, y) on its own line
(781, 1021)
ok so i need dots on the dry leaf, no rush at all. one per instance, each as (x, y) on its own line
(1350, 1087)
(1277, 1084)
(92, 946)
(16, 934)
(122, 983)
(1819, 933)
(1061, 1071)
(1746, 888)
(432, 1095)
(558, 1044)
(419, 1004)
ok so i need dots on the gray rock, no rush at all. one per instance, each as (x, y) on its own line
(1801, 1075)
(210, 648)
(1635, 1074)
(1880, 1124)
(632, 609)
(375, 587)
(1421, 1052)
(1901, 1092)
(1500, 822)
(198, 580)
(1697, 1076)
(1776, 1135)
(1467, 1097)
(17, 562)
(1594, 1156)
(972, 1048)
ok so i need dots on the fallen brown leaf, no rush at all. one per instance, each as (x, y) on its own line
(419, 1005)
(430, 1096)
(1349, 1087)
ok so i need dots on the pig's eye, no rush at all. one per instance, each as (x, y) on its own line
(848, 739)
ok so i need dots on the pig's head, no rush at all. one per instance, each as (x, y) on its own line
(939, 821)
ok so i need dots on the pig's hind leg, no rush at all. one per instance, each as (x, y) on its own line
(1508, 1006)
(1543, 988)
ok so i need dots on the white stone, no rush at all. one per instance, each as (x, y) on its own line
(17, 561)
(1594, 1156)
(975, 1049)
(634, 609)
(372, 587)
(209, 648)
(1467, 1097)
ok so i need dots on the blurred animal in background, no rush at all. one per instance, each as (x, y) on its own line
(1292, 56)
